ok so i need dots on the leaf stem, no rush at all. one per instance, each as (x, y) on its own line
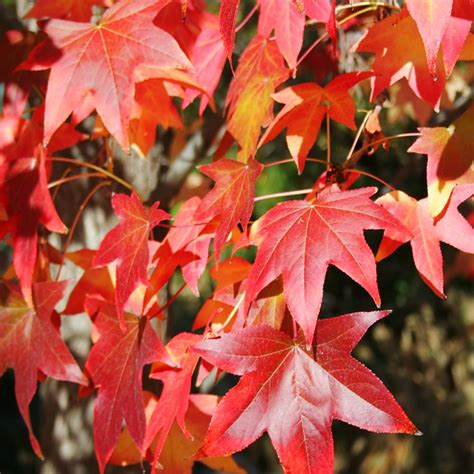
(328, 144)
(94, 167)
(291, 160)
(76, 221)
(372, 4)
(298, 192)
(168, 303)
(58, 182)
(247, 18)
(358, 134)
(233, 312)
(356, 156)
(370, 175)
(308, 51)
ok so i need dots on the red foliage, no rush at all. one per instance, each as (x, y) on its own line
(131, 67)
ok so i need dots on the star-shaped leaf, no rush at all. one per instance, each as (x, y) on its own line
(400, 53)
(100, 60)
(231, 200)
(127, 242)
(30, 342)
(305, 106)
(116, 364)
(287, 18)
(300, 239)
(438, 28)
(294, 393)
(451, 228)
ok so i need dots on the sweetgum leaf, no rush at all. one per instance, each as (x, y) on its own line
(400, 53)
(300, 239)
(116, 364)
(305, 106)
(29, 343)
(74, 10)
(127, 242)
(287, 18)
(174, 398)
(294, 393)
(451, 228)
(231, 200)
(99, 61)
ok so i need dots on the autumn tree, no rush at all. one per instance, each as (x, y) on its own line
(169, 119)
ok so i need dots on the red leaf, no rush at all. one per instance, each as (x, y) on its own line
(29, 342)
(89, 58)
(153, 104)
(300, 239)
(451, 228)
(304, 108)
(174, 398)
(178, 455)
(400, 53)
(294, 394)
(127, 242)
(432, 19)
(24, 193)
(287, 18)
(116, 364)
(231, 200)
(438, 28)
(186, 236)
(94, 281)
(74, 10)
(261, 70)
(450, 153)
(227, 16)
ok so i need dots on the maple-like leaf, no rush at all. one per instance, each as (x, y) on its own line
(450, 158)
(287, 18)
(231, 199)
(74, 10)
(400, 53)
(305, 106)
(127, 242)
(30, 342)
(261, 69)
(97, 62)
(174, 398)
(300, 239)
(451, 228)
(294, 393)
(115, 364)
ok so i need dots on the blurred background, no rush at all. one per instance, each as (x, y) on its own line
(423, 351)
